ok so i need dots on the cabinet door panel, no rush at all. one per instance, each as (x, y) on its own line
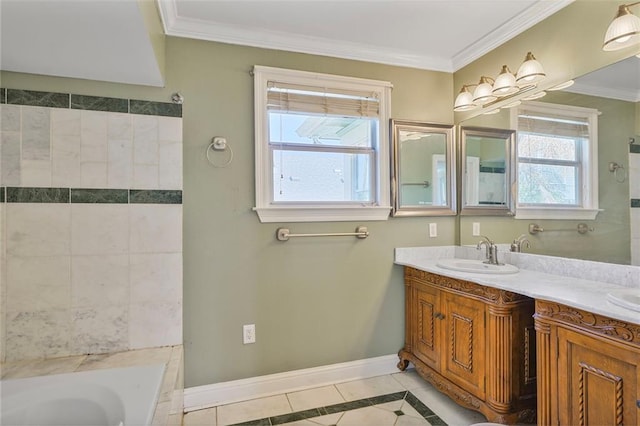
(463, 334)
(426, 342)
(602, 383)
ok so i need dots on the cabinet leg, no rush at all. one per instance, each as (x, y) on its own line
(403, 363)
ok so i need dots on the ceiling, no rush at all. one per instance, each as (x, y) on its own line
(620, 80)
(440, 35)
(106, 40)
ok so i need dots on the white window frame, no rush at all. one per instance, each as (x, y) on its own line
(267, 211)
(588, 210)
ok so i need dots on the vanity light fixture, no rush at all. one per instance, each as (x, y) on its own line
(536, 95)
(623, 31)
(561, 86)
(464, 100)
(484, 91)
(512, 104)
(506, 84)
(530, 71)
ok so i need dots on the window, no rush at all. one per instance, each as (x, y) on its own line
(322, 150)
(557, 148)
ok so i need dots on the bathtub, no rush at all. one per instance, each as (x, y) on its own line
(111, 397)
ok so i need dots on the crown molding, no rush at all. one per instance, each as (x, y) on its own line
(604, 92)
(179, 26)
(525, 20)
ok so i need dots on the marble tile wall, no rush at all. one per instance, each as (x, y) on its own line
(91, 224)
(634, 193)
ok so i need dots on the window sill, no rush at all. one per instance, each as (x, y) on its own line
(321, 214)
(556, 213)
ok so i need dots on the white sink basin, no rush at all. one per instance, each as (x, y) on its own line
(627, 298)
(476, 266)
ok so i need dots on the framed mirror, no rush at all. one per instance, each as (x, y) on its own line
(423, 169)
(487, 176)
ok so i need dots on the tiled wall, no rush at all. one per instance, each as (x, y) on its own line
(634, 191)
(91, 211)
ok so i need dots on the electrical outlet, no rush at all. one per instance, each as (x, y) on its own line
(433, 230)
(476, 229)
(248, 333)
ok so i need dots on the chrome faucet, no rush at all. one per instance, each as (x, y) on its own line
(491, 250)
(516, 245)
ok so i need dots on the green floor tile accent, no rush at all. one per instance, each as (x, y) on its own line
(634, 149)
(424, 411)
(635, 203)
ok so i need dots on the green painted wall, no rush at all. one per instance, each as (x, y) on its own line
(314, 301)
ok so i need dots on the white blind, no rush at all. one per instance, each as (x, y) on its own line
(288, 97)
(553, 124)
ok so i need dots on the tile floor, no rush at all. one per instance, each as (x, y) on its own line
(399, 399)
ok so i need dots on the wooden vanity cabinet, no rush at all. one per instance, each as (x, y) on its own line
(589, 368)
(474, 343)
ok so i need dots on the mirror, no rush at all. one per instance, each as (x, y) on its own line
(423, 169)
(614, 230)
(486, 177)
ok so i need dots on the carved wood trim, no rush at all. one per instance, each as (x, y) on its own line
(499, 389)
(454, 341)
(462, 397)
(443, 385)
(544, 385)
(594, 323)
(422, 305)
(488, 294)
(529, 346)
(589, 369)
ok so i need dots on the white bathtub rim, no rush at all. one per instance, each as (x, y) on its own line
(126, 382)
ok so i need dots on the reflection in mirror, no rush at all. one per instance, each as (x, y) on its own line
(615, 92)
(486, 171)
(423, 169)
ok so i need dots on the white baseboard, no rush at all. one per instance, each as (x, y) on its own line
(199, 397)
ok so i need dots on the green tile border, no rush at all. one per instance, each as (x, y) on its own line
(89, 196)
(37, 195)
(418, 405)
(635, 203)
(92, 103)
(155, 108)
(634, 149)
(97, 103)
(99, 196)
(35, 98)
(499, 170)
(140, 196)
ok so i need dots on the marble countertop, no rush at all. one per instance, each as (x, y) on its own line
(575, 291)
